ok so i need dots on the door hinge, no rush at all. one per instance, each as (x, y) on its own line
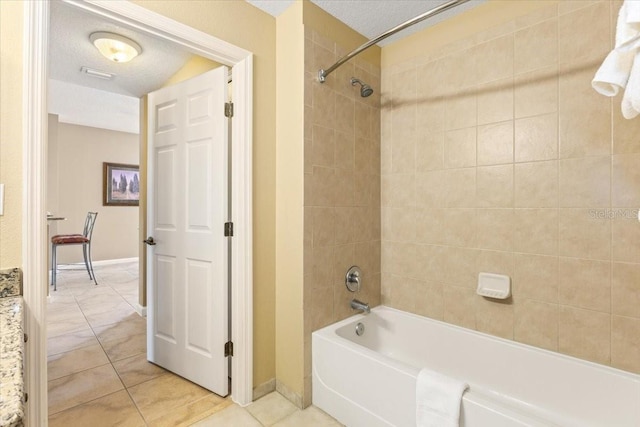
(228, 229)
(26, 337)
(228, 109)
(228, 348)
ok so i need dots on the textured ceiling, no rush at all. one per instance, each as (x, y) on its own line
(373, 17)
(89, 101)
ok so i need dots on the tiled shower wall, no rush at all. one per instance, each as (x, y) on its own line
(498, 156)
(341, 188)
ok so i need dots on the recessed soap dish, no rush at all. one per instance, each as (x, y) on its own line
(496, 286)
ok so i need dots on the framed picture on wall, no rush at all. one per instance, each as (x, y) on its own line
(121, 185)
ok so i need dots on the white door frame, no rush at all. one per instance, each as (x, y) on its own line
(34, 235)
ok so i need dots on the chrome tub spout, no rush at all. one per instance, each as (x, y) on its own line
(359, 305)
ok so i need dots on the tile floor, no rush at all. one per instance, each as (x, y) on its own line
(99, 375)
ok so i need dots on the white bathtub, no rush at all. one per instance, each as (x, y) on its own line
(370, 380)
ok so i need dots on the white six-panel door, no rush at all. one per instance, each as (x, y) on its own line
(187, 268)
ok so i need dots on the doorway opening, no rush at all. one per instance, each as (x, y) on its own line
(35, 235)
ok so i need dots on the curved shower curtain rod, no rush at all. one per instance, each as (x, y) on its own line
(322, 74)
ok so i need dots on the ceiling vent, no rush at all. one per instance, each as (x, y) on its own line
(97, 73)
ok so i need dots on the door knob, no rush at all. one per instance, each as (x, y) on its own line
(149, 241)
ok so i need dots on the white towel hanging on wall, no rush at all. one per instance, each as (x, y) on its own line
(621, 68)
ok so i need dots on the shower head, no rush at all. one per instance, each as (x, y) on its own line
(365, 89)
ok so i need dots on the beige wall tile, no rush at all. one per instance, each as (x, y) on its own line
(495, 228)
(536, 138)
(430, 113)
(344, 225)
(495, 143)
(398, 224)
(494, 186)
(321, 187)
(363, 120)
(536, 46)
(625, 239)
(585, 284)
(430, 299)
(431, 262)
(536, 231)
(584, 334)
(403, 292)
(460, 110)
(625, 289)
(626, 133)
(460, 148)
(495, 317)
(585, 181)
(568, 6)
(459, 188)
(459, 227)
(430, 189)
(345, 113)
(536, 92)
(430, 152)
(398, 190)
(625, 343)
(583, 235)
(497, 262)
(459, 306)
(430, 226)
(536, 185)
(343, 192)
(536, 323)
(324, 108)
(625, 180)
(584, 32)
(323, 226)
(459, 266)
(323, 146)
(536, 277)
(495, 101)
(537, 16)
(403, 151)
(584, 114)
(494, 59)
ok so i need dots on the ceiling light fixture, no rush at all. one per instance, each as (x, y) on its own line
(115, 47)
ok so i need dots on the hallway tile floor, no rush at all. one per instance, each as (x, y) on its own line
(99, 374)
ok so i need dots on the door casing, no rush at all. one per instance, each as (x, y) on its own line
(34, 113)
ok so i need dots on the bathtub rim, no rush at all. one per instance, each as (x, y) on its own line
(330, 331)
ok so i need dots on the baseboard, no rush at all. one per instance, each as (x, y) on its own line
(264, 389)
(80, 265)
(142, 311)
(289, 394)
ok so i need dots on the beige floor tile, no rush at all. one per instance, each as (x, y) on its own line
(110, 304)
(82, 387)
(120, 314)
(310, 417)
(116, 409)
(63, 364)
(121, 348)
(164, 394)
(55, 329)
(191, 413)
(233, 416)
(133, 325)
(70, 341)
(136, 369)
(271, 408)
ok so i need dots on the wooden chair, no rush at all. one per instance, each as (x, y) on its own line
(83, 239)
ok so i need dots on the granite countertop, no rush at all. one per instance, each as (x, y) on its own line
(11, 361)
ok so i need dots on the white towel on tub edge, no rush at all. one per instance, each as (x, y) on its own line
(438, 399)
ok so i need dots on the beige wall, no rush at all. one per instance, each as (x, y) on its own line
(77, 154)
(289, 202)
(195, 66)
(498, 156)
(11, 132)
